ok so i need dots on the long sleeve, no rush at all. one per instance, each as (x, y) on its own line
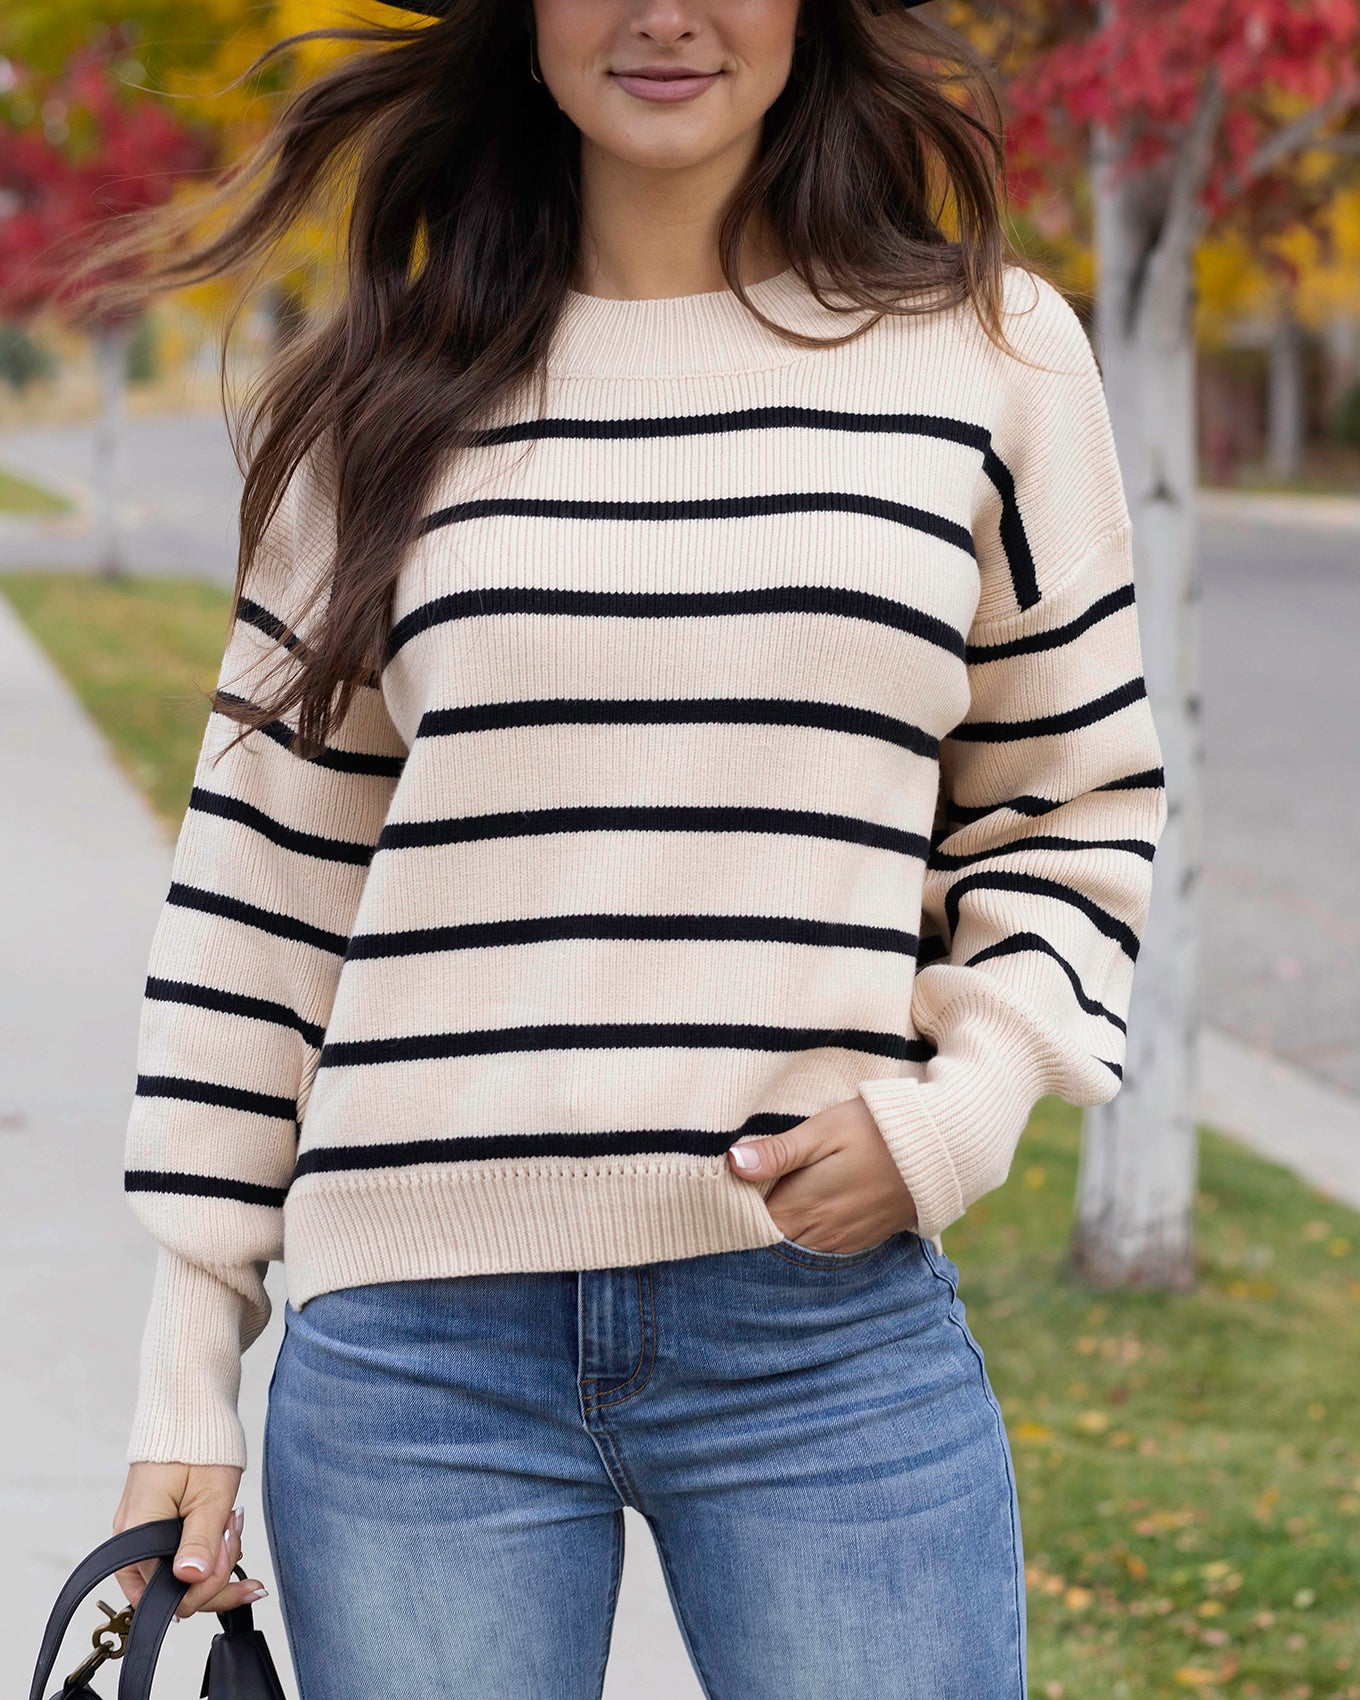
(267, 874)
(1052, 800)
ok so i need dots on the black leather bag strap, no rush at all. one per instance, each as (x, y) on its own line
(154, 1614)
(130, 1546)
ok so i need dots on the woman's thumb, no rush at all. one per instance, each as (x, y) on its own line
(200, 1540)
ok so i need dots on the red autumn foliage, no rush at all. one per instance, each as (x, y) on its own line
(92, 151)
(1141, 69)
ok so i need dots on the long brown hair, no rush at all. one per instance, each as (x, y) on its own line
(454, 177)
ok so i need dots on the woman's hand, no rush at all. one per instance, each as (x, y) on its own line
(210, 1544)
(838, 1187)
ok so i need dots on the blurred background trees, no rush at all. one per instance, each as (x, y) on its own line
(1142, 131)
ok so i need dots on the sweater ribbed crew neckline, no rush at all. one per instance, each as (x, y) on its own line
(677, 336)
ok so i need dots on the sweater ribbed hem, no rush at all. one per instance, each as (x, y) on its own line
(499, 1216)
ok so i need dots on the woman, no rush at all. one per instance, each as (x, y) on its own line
(694, 790)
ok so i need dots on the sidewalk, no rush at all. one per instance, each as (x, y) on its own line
(1245, 507)
(83, 869)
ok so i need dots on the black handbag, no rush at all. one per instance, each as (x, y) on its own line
(239, 1666)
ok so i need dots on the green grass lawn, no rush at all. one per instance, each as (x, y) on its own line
(1189, 1464)
(140, 653)
(19, 496)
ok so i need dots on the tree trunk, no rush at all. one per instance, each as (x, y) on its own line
(1285, 424)
(1139, 1158)
(110, 356)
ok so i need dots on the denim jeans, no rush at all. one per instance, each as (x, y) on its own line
(811, 1437)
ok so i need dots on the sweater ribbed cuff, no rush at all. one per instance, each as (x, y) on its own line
(190, 1369)
(953, 1134)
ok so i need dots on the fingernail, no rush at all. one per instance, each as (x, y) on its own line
(744, 1157)
(259, 1594)
(195, 1564)
(238, 1517)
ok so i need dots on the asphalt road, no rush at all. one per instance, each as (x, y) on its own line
(1281, 688)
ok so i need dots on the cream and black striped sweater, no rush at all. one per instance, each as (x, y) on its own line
(762, 725)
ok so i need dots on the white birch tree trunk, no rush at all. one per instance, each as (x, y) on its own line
(110, 358)
(1139, 1159)
(1286, 424)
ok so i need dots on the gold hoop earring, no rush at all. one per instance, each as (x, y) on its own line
(532, 72)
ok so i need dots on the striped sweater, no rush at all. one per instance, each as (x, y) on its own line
(761, 725)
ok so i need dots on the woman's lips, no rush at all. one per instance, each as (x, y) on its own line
(664, 88)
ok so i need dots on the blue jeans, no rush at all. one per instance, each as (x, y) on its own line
(811, 1437)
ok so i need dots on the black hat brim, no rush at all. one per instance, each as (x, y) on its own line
(433, 9)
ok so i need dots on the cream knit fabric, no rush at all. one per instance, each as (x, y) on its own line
(762, 724)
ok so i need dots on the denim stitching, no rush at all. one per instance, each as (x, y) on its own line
(1017, 1560)
(626, 1389)
(608, 1442)
(618, 1386)
(814, 1259)
(648, 1344)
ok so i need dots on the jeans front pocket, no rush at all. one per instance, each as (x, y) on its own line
(812, 1258)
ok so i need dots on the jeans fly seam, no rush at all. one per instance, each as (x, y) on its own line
(626, 1390)
(606, 1443)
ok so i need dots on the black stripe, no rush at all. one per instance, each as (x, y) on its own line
(620, 1035)
(341, 761)
(1012, 531)
(634, 428)
(777, 929)
(466, 1148)
(202, 1186)
(208, 1092)
(1151, 779)
(286, 837)
(1055, 636)
(649, 605)
(252, 613)
(933, 949)
(250, 915)
(677, 711)
(1017, 846)
(1014, 542)
(234, 1003)
(1113, 1067)
(1001, 879)
(1046, 725)
(709, 508)
(641, 817)
(1018, 942)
